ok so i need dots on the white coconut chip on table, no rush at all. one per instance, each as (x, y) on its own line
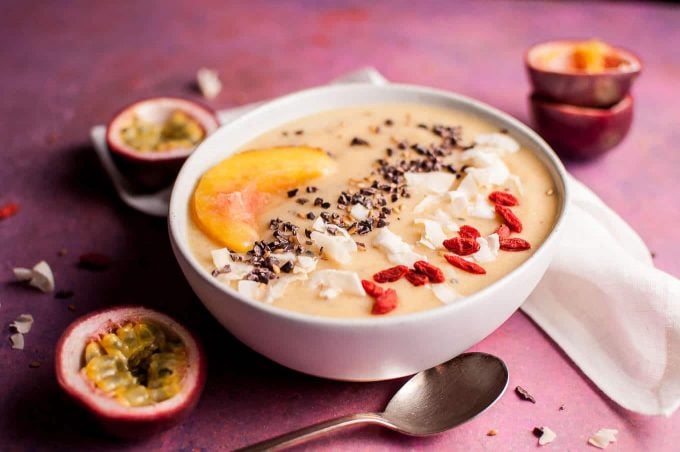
(22, 324)
(547, 436)
(208, 82)
(433, 235)
(397, 251)
(17, 340)
(603, 438)
(335, 282)
(40, 276)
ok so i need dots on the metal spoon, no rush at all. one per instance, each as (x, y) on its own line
(431, 402)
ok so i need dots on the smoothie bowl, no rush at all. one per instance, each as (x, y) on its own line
(367, 232)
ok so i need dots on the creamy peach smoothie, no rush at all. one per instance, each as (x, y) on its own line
(382, 187)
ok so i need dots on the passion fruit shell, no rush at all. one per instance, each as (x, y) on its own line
(579, 132)
(561, 84)
(157, 169)
(116, 418)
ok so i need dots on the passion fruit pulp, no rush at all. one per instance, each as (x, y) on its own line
(150, 139)
(135, 369)
(582, 73)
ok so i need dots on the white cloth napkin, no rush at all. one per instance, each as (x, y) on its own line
(615, 315)
(601, 300)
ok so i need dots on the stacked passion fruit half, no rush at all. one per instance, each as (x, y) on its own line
(136, 370)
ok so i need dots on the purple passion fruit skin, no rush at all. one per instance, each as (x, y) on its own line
(581, 133)
(136, 370)
(154, 167)
(601, 89)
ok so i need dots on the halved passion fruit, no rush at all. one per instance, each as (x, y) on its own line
(580, 132)
(584, 73)
(137, 370)
(151, 138)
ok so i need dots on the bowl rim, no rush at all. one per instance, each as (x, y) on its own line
(629, 55)
(550, 158)
(576, 110)
(172, 154)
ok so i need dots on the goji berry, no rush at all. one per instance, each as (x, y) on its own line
(372, 288)
(509, 217)
(416, 278)
(464, 265)
(385, 302)
(503, 231)
(514, 244)
(503, 198)
(8, 210)
(462, 246)
(390, 274)
(434, 274)
(469, 232)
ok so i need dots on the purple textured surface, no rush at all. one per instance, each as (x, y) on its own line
(70, 65)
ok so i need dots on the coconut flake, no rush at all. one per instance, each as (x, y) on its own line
(22, 324)
(436, 182)
(515, 179)
(222, 259)
(547, 436)
(445, 293)
(276, 288)
(427, 203)
(398, 252)
(334, 282)
(17, 340)
(40, 276)
(250, 289)
(459, 202)
(445, 220)
(482, 208)
(603, 437)
(23, 274)
(498, 142)
(339, 247)
(433, 236)
(305, 264)
(359, 212)
(319, 225)
(208, 82)
(488, 248)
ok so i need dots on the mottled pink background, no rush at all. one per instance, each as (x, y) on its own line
(69, 65)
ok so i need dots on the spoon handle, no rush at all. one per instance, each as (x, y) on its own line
(313, 431)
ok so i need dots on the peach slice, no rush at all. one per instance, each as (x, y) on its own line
(231, 195)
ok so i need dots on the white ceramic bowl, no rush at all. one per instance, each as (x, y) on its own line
(365, 349)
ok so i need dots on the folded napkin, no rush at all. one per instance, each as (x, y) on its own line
(615, 315)
(601, 300)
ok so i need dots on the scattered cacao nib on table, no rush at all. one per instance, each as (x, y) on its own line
(94, 261)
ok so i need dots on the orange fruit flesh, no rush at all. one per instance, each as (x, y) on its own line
(232, 195)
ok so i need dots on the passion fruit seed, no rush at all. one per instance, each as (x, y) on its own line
(137, 365)
(179, 131)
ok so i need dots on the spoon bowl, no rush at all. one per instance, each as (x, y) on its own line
(447, 395)
(431, 402)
